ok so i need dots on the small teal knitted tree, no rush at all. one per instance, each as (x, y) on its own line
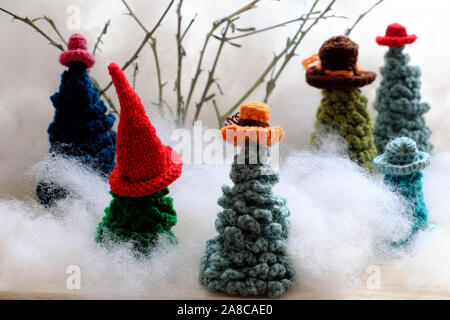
(402, 163)
(248, 257)
(400, 112)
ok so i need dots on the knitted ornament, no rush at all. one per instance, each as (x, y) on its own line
(337, 66)
(143, 221)
(252, 125)
(140, 210)
(248, 257)
(402, 163)
(396, 36)
(81, 128)
(400, 112)
(343, 108)
(144, 164)
(77, 51)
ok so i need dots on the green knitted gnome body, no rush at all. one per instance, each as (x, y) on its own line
(400, 112)
(345, 111)
(142, 220)
(248, 257)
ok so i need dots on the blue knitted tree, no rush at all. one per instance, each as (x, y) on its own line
(81, 129)
(248, 257)
(402, 163)
(400, 112)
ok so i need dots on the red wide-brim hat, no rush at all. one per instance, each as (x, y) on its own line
(396, 36)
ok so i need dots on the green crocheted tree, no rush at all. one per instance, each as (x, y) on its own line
(248, 257)
(142, 220)
(400, 112)
(345, 111)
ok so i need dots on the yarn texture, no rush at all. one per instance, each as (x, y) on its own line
(140, 210)
(140, 220)
(402, 163)
(410, 187)
(400, 112)
(345, 111)
(248, 257)
(81, 128)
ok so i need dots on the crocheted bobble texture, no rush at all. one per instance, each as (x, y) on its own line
(346, 112)
(410, 187)
(80, 127)
(248, 257)
(400, 112)
(401, 151)
(140, 220)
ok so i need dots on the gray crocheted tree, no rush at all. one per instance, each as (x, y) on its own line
(400, 112)
(248, 257)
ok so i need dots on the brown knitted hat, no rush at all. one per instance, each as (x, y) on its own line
(338, 67)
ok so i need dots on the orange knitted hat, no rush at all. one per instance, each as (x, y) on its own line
(144, 164)
(253, 125)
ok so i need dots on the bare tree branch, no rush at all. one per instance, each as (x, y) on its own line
(362, 15)
(141, 46)
(35, 27)
(215, 26)
(211, 80)
(99, 38)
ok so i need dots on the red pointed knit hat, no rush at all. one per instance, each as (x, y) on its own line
(144, 164)
(77, 51)
(396, 36)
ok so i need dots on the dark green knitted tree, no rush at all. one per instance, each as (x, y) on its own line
(345, 112)
(141, 220)
(400, 112)
(248, 257)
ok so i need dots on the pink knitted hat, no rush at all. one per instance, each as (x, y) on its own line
(77, 51)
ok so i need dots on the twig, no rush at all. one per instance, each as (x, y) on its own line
(362, 15)
(294, 42)
(188, 27)
(153, 44)
(141, 46)
(57, 45)
(135, 72)
(180, 55)
(198, 71)
(99, 38)
(216, 109)
(283, 24)
(35, 27)
(211, 80)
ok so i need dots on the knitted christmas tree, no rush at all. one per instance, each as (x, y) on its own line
(400, 112)
(248, 257)
(343, 108)
(81, 129)
(140, 211)
(402, 163)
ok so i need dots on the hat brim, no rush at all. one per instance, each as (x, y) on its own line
(148, 187)
(396, 41)
(318, 79)
(77, 55)
(383, 166)
(237, 135)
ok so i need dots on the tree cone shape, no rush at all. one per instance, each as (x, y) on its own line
(345, 112)
(248, 257)
(400, 112)
(140, 220)
(81, 128)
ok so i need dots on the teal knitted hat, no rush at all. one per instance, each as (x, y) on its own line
(401, 158)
